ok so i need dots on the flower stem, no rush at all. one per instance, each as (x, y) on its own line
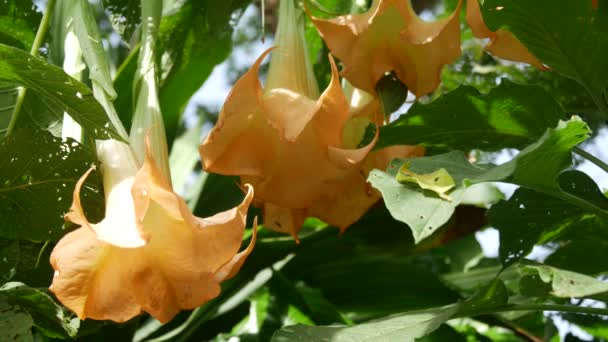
(38, 40)
(595, 160)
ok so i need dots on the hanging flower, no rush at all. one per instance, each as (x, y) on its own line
(345, 207)
(391, 37)
(284, 138)
(149, 253)
(503, 43)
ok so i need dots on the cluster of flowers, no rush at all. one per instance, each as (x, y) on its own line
(298, 148)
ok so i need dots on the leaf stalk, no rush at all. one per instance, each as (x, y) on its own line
(38, 40)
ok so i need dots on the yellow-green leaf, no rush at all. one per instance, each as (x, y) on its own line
(438, 181)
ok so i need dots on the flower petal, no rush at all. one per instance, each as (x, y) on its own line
(180, 267)
(241, 142)
(391, 37)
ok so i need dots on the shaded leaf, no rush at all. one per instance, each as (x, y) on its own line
(85, 27)
(37, 177)
(391, 92)
(424, 213)
(581, 256)
(188, 62)
(49, 317)
(125, 16)
(569, 37)
(56, 88)
(403, 327)
(18, 23)
(15, 323)
(536, 167)
(547, 217)
(25, 261)
(542, 279)
(509, 116)
(368, 272)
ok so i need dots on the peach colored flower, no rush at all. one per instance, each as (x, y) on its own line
(287, 140)
(391, 37)
(149, 253)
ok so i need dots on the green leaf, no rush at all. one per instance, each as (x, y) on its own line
(83, 20)
(509, 116)
(184, 156)
(8, 97)
(547, 217)
(9, 259)
(570, 37)
(18, 23)
(38, 173)
(124, 16)
(26, 262)
(536, 167)
(539, 279)
(488, 296)
(56, 88)
(581, 256)
(15, 323)
(373, 256)
(402, 327)
(49, 317)
(391, 92)
(423, 211)
(195, 39)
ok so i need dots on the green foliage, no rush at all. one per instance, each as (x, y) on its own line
(391, 92)
(569, 37)
(536, 167)
(124, 16)
(189, 61)
(50, 318)
(38, 175)
(411, 268)
(404, 327)
(509, 116)
(18, 23)
(55, 89)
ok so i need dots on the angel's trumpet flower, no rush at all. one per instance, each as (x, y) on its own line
(149, 253)
(284, 138)
(391, 37)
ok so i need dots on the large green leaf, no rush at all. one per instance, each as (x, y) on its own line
(536, 167)
(38, 173)
(195, 39)
(568, 36)
(374, 256)
(421, 210)
(547, 217)
(540, 279)
(55, 88)
(509, 116)
(582, 255)
(26, 262)
(82, 17)
(50, 318)
(18, 23)
(402, 327)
